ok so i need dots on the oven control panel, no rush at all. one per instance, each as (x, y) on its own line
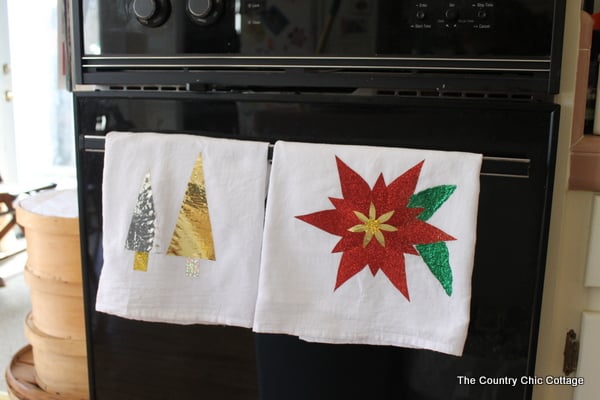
(363, 39)
(440, 15)
(321, 28)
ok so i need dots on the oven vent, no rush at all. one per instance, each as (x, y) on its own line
(530, 74)
(458, 95)
(146, 88)
(410, 93)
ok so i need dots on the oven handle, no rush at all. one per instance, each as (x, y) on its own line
(503, 167)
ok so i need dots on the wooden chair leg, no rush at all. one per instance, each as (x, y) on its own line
(7, 199)
(8, 227)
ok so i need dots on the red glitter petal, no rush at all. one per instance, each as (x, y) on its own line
(346, 211)
(348, 242)
(352, 262)
(379, 195)
(354, 187)
(402, 188)
(394, 269)
(327, 220)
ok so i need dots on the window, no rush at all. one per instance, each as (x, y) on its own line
(44, 143)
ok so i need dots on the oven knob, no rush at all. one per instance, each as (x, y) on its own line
(204, 12)
(199, 8)
(451, 14)
(152, 12)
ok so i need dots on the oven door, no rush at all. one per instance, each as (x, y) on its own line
(141, 360)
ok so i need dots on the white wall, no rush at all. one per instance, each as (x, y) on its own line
(568, 303)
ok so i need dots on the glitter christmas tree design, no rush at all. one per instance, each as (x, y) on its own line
(140, 237)
(192, 237)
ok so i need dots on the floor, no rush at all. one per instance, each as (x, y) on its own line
(15, 303)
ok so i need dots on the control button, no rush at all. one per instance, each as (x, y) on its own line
(482, 14)
(421, 14)
(152, 12)
(199, 8)
(451, 14)
(204, 12)
(144, 9)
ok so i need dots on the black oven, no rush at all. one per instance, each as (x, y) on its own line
(463, 76)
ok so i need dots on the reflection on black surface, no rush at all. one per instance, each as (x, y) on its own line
(134, 358)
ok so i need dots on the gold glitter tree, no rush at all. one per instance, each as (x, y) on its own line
(193, 237)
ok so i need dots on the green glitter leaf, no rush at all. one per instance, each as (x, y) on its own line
(431, 199)
(436, 256)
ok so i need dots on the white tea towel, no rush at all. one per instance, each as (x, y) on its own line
(182, 224)
(369, 245)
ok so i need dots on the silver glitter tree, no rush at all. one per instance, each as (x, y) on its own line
(142, 227)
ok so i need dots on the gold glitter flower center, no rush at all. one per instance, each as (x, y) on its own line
(372, 225)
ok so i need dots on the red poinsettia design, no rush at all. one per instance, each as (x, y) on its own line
(382, 213)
